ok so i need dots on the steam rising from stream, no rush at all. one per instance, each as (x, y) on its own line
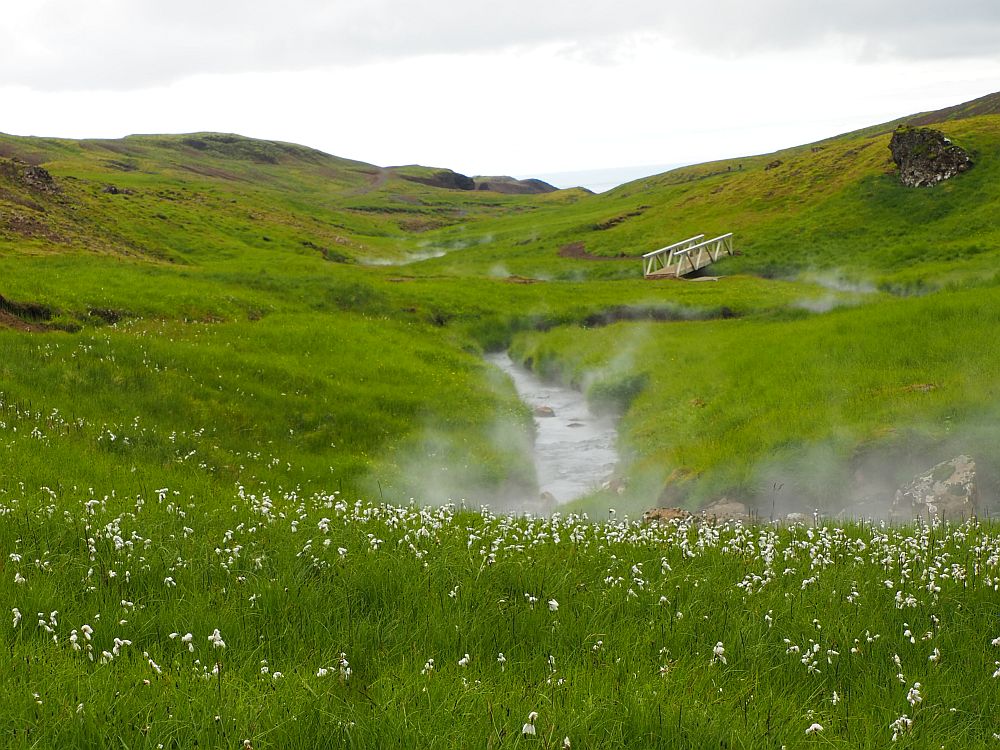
(574, 449)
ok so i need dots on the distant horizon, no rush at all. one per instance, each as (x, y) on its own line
(602, 179)
(513, 88)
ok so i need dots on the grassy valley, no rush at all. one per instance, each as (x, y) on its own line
(246, 421)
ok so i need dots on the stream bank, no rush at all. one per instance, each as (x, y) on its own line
(574, 450)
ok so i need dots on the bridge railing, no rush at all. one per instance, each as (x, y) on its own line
(687, 256)
(660, 259)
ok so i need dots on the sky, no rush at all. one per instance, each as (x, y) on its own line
(571, 90)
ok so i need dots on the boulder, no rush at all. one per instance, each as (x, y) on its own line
(948, 491)
(725, 509)
(28, 175)
(926, 157)
(544, 411)
(665, 515)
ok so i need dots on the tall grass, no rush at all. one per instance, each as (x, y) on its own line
(733, 407)
(280, 620)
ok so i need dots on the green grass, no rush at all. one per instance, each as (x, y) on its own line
(245, 337)
(812, 400)
(610, 632)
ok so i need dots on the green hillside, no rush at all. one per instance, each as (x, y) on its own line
(246, 428)
(242, 259)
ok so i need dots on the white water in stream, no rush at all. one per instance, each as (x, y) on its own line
(574, 449)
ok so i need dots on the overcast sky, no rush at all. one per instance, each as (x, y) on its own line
(517, 87)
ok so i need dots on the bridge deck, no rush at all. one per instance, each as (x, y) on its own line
(686, 257)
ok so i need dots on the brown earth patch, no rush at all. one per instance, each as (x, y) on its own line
(578, 251)
(616, 220)
(25, 310)
(418, 224)
(19, 200)
(10, 151)
(30, 227)
(12, 321)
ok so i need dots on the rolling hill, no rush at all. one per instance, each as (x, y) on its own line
(228, 254)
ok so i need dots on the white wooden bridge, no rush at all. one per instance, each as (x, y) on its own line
(686, 256)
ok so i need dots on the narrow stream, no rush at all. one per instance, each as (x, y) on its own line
(574, 448)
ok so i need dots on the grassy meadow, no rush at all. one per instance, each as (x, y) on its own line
(247, 431)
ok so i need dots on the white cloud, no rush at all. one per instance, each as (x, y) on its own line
(533, 112)
(127, 44)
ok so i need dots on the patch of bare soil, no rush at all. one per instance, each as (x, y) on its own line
(12, 321)
(578, 251)
(30, 227)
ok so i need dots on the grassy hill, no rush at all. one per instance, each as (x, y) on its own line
(227, 365)
(832, 206)
(326, 270)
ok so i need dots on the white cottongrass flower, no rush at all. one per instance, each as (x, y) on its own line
(216, 639)
(935, 656)
(502, 661)
(997, 673)
(19, 579)
(913, 696)
(464, 661)
(835, 699)
(429, 666)
(901, 726)
(17, 616)
(719, 654)
(322, 672)
(344, 667)
(553, 605)
(566, 744)
(528, 730)
(153, 664)
(814, 728)
(995, 642)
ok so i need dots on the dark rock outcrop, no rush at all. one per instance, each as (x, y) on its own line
(513, 186)
(28, 175)
(948, 491)
(444, 178)
(926, 157)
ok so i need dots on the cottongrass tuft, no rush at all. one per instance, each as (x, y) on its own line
(528, 730)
